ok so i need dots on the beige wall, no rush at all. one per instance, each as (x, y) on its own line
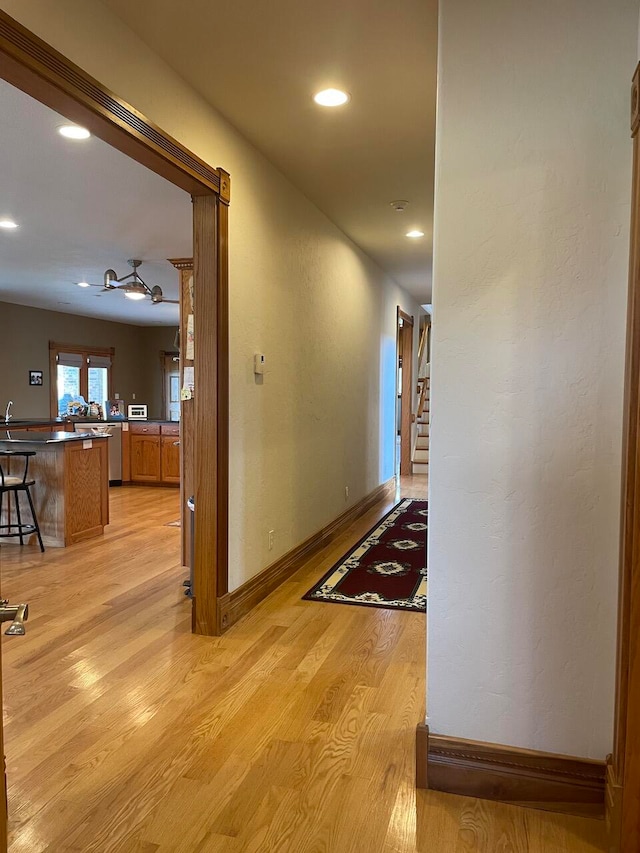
(321, 311)
(24, 346)
(153, 341)
(531, 254)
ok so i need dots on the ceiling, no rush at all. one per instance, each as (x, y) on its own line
(259, 63)
(82, 207)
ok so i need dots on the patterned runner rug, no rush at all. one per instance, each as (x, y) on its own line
(388, 568)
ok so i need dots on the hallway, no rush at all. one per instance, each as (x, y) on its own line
(295, 731)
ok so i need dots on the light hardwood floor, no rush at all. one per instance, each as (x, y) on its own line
(293, 732)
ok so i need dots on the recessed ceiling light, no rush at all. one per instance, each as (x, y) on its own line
(331, 98)
(73, 131)
(8, 224)
(415, 234)
(83, 284)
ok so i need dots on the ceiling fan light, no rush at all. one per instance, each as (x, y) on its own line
(156, 294)
(131, 285)
(135, 289)
(109, 277)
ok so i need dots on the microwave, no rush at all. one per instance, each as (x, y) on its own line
(137, 412)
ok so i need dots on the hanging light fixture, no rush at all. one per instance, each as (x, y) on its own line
(135, 290)
(109, 277)
(133, 286)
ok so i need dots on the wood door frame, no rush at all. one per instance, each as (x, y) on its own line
(405, 392)
(34, 67)
(164, 356)
(623, 776)
(187, 473)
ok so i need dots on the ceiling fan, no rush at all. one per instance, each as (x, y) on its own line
(133, 286)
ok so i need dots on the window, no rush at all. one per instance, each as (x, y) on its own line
(174, 397)
(79, 372)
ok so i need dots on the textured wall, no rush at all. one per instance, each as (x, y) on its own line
(321, 311)
(153, 341)
(531, 251)
(24, 346)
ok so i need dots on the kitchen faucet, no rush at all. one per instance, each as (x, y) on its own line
(7, 414)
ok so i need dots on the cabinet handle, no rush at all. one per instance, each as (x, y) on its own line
(176, 444)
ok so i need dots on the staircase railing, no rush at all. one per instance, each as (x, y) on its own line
(423, 395)
(422, 344)
(423, 349)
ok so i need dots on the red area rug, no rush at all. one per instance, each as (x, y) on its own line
(388, 568)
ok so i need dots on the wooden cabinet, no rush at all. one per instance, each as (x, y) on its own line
(71, 491)
(155, 453)
(170, 459)
(144, 428)
(145, 458)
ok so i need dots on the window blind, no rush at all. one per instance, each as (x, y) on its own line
(99, 361)
(70, 359)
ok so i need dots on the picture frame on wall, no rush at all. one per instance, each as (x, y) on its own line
(36, 377)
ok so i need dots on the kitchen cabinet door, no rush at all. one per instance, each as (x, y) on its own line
(170, 464)
(145, 458)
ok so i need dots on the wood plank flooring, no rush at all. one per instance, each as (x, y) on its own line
(293, 732)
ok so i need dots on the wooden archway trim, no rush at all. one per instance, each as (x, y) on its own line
(42, 72)
(36, 68)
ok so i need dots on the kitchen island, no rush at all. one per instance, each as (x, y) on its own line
(71, 492)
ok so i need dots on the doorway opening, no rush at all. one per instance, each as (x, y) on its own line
(103, 625)
(34, 67)
(170, 366)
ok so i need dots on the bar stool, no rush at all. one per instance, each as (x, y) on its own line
(10, 484)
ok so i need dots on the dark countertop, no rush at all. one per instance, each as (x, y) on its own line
(128, 421)
(24, 423)
(27, 422)
(16, 437)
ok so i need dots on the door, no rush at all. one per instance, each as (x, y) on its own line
(405, 389)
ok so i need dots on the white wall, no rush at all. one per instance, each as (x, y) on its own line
(531, 251)
(301, 292)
